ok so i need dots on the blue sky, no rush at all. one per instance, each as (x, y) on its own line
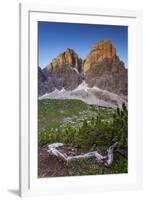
(55, 38)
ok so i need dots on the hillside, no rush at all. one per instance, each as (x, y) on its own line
(55, 113)
(81, 128)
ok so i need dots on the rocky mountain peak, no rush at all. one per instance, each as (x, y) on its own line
(68, 57)
(104, 47)
(104, 69)
(100, 51)
(64, 71)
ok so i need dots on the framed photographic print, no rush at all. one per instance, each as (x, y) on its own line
(80, 100)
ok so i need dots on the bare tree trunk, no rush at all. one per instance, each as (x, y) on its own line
(105, 160)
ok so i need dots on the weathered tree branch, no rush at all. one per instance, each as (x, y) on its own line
(105, 160)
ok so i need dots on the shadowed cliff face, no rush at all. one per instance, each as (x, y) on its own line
(42, 82)
(101, 68)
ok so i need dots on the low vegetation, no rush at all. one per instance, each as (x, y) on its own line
(86, 128)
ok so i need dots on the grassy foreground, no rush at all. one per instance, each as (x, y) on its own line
(84, 128)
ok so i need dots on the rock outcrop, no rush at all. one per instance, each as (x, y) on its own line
(103, 68)
(100, 51)
(65, 70)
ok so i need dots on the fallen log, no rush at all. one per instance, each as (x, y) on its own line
(106, 160)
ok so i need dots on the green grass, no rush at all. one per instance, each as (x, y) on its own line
(53, 113)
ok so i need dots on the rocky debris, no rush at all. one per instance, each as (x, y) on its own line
(89, 95)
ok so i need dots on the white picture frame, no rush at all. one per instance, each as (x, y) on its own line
(30, 185)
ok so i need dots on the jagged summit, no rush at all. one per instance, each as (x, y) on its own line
(68, 57)
(64, 71)
(104, 49)
(104, 69)
(100, 51)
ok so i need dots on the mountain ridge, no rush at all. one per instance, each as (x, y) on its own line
(101, 68)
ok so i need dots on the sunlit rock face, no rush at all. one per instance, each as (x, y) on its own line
(65, 70)
(104, 69)
(100, 51)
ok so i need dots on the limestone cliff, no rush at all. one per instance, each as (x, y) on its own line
(104, 69)
(65, 70)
